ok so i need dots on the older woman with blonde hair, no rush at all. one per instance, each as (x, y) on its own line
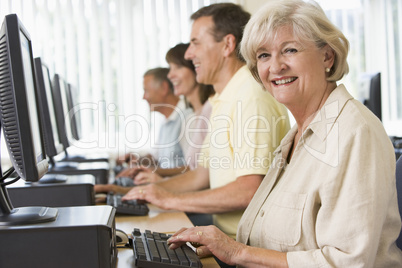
(329, 197)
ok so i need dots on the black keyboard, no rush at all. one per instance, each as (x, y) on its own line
(124, 181)
(129, 207)
(151, 250)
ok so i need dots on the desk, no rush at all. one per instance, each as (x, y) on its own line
(158, 220)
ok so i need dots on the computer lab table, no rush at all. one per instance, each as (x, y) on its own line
(158, 220)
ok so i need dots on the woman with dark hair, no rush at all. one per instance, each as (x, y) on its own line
(183, 77)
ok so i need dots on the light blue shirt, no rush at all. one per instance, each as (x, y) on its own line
(169, 149)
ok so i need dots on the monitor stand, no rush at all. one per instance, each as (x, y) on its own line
(10, 216)
(28, 215)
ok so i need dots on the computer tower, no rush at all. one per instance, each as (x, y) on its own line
(75, 190)
(79, 237)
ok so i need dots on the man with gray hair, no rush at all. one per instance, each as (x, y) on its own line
(247, 124)
(168, 151)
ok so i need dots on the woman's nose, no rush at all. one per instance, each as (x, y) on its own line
(277, 65)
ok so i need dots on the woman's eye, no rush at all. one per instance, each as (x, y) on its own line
(262, 56)
(290, 50)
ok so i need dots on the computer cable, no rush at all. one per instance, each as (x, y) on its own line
(7, 174)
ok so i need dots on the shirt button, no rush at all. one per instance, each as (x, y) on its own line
(262, 213)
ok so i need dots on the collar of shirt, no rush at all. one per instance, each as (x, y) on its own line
(179, 108)
(230, 90)
(323, 121)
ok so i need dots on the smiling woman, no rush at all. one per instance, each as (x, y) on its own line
(373, 29)
(321, 204)
(281, 67)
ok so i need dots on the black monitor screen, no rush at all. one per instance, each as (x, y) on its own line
(49, 124)
(49, 97)
(66, 110)
(75, 117)
(370, 92)
(62, 118)
(30, 90)
(19, 114)
(20, 121)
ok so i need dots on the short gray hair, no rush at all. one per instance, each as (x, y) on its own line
(308, 21)
(160, 74)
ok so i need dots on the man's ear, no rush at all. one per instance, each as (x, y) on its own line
(165, 88)
(329, 56)
(229, 45)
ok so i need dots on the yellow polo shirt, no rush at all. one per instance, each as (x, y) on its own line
(247, 124)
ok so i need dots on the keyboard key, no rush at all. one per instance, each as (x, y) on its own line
(139, 249)
(153, 251)
(192, 258)
(162, 252)
(172, 255)
(136, 232)
(165, 236)
(182, 257)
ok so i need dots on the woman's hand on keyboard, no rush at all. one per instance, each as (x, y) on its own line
(212, 242)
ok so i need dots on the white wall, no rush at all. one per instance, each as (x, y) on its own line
(252, 5)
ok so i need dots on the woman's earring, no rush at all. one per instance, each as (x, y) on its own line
(327, 70)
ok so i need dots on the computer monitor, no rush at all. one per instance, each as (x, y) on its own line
(370, 92)
(53, 146)
(68, 121)
(20, 120)
(75, 117)
(61, 109)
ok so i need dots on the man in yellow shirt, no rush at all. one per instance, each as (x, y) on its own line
(247, 125)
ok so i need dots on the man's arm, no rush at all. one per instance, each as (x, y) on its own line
(169, 172)
(193, 180)
(179, 194)
(230, 197)
(159, 192)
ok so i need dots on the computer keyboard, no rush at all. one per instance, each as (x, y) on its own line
(151, 250)
(124, 181)
(129, 207)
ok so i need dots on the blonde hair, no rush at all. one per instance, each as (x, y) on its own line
(309, 23)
